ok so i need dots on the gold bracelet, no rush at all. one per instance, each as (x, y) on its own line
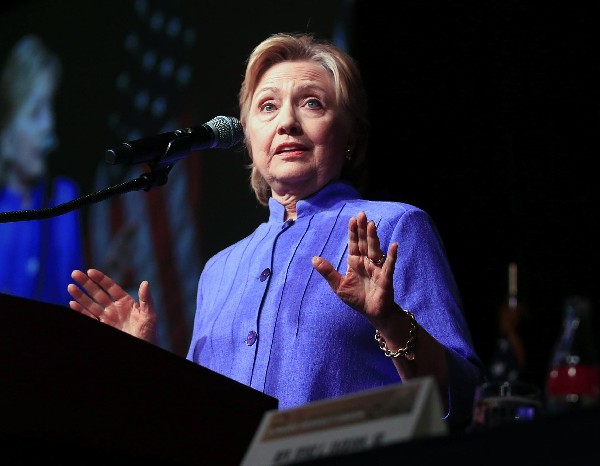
(409, 350)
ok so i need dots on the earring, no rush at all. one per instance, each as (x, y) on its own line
(348, 154)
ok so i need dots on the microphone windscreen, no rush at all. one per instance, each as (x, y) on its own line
(228, 131)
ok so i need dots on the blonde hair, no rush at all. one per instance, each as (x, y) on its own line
(350, 93)
(26, 60)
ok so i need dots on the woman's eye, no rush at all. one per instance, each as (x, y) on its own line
(313, 103)
(267, 107)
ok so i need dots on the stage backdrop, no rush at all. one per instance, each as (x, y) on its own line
(137, 68)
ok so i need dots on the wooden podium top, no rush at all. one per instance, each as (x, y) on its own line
(69, 381)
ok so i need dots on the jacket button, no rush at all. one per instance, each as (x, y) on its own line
(265, 274)
(251, 338)
(287, 223)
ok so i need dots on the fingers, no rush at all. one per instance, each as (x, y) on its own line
(100, 288)
(327, 271)
(146, 301)
(390, 260)
(83, 303)
(106, 290)
(363, 243)
(78, 307)
(374, 251)
(144, 292)
(89, 297)
(363, 239)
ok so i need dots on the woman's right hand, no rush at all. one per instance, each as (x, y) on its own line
(100, 297)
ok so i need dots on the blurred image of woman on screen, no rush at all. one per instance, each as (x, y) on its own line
(37, 256)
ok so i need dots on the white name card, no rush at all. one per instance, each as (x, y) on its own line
(348, 424)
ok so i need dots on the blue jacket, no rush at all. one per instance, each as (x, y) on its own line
(267, 319)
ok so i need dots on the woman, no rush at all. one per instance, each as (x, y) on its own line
(291, 310)
(41, 253)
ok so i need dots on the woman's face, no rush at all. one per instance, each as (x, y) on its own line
(297, 133)
(30, 135)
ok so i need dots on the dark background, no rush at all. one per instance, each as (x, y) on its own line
(484, 114)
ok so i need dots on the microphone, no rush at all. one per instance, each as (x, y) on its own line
(222, 132)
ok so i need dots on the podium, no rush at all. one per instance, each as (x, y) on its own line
(76, 391)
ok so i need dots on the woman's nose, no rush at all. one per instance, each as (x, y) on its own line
(288, 121)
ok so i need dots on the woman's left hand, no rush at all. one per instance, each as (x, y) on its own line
(368, 284)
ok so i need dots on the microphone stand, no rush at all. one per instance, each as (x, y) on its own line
(157, 176)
